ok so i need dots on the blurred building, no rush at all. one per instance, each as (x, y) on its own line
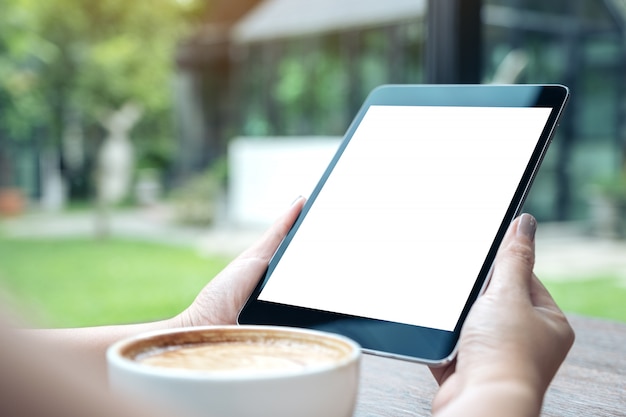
(295, 67)
(298, 68)
(268, 68)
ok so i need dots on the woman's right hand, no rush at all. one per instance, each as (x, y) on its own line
(513, 341)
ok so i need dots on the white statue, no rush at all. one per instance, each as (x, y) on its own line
(116, 156)
(115, 163)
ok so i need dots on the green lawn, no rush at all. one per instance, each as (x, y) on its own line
(597, 296)
(82, 282)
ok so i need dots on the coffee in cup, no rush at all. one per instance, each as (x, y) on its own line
(239, 371)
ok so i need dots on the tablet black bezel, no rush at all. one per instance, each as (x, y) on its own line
(431, 346)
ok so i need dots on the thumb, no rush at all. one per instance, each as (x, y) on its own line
(513, 267)
(265, 247)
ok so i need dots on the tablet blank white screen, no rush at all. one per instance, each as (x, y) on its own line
(401, 228)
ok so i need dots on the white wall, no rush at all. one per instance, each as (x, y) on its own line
(267, 173)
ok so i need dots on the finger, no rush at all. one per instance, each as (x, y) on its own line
(265, 247)
(253, 261)
(513, 266)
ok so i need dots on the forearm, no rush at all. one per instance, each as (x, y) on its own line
(498, 399)
(40, 380)
(91, 343)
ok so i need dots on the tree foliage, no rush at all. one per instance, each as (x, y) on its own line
(68, 62)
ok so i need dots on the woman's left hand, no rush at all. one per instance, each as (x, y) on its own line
(221, 299)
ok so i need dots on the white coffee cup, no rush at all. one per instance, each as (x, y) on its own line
(239, 371)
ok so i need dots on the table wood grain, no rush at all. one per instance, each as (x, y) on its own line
(591, 381)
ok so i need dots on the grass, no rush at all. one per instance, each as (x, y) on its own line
(600, 296)
(83, 282)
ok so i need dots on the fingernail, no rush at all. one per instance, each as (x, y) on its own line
(296, 200)
(527, 226)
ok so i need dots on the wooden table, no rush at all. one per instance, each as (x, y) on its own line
(591, 381)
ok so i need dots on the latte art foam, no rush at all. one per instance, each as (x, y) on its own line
(277, 354)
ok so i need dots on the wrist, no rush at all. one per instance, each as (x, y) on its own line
(525, 398)
(518, 375)
(494, 398)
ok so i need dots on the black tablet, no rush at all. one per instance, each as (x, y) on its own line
(397, 239)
